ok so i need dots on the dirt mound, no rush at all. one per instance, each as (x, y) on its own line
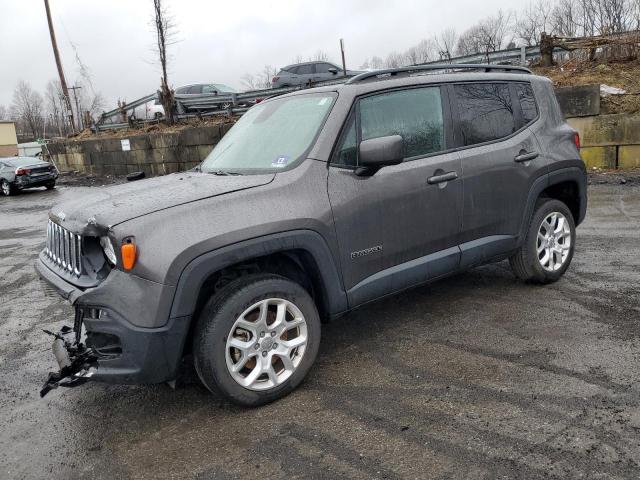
(624, 75)
(153, 128)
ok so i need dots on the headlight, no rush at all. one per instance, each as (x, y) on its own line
(109, 252)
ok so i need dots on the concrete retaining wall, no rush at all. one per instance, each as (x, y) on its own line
(609, 141)
(153, 153)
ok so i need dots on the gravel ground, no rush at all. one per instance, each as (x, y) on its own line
(477, 376)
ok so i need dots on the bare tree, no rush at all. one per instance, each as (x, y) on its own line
(376, 63)
(249, 81)
(319, 56)
(394, 60)
(535, 19)
(259, 80)
(427, 50)
(487, 36)
(445, 43)
(165, 37)
(27, 108)
(564, 18)
(411, 56)
(55, 108)
(3, 113)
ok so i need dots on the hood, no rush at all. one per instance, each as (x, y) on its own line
(109, 206)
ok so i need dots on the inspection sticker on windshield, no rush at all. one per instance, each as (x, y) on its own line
(323, 100)
(280, 162)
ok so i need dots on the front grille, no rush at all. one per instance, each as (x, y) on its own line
(64, 248)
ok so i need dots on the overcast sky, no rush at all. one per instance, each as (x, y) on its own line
(219, 41)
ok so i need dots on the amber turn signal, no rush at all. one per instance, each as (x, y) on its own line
(128, 255)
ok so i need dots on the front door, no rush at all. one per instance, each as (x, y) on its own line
(400, 226)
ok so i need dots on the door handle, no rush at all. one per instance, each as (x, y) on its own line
(525, 156)
(445, 177)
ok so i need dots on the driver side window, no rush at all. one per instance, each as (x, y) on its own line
(347, 153)
(415, 114)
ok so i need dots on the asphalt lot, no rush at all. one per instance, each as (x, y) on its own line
(478, 376)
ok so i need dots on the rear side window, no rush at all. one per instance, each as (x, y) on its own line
(414, 114)
(304, 69)
(485, 111)
(527, 102)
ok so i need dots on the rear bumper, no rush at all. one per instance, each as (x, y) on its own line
(22, 182)
(120, 352)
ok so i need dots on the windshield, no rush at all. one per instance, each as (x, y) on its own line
(271, 135)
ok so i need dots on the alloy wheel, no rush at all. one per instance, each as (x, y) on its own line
(266, 344)
(553, 241)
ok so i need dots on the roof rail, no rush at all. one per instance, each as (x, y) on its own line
(391, 72)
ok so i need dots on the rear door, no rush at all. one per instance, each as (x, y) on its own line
(400, 226)
(305, 73)
(499, 155)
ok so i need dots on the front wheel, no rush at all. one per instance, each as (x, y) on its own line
(256, 339)
(548, 247)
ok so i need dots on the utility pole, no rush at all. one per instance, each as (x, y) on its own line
(78, 114)
(344, 65)
(56, 54)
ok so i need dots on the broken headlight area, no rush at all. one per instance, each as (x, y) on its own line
(78, 360)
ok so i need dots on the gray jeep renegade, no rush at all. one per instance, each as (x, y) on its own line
(313, 204)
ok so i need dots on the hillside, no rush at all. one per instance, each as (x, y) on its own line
(620, 74)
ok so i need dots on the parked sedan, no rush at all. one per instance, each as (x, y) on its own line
(308, 72)
(157, 111)
(18, 173)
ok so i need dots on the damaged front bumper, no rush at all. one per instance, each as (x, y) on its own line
(77, 362)
(105, 345)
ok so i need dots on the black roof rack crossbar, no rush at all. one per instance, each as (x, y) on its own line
(390, 72)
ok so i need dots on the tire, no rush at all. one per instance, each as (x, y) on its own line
(242, 299)
(7, 189)
(541, 259)
(50, 186)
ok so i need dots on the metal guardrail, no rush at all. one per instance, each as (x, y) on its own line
(207, 104)
(189, 106)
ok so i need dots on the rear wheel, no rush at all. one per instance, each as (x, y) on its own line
(256, 339)
(50, 185)
(548, 247)
(6, 188)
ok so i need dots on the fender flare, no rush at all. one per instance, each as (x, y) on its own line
(575, 174)
(200, 268)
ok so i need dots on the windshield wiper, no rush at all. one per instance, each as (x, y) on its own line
(224, 172)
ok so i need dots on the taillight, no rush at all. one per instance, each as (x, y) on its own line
(275, 79)
(22, 171)
(576, 140)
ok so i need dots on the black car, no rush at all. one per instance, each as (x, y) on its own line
(18, 173)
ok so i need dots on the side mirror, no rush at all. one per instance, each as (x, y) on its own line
(333, 70)
(376, 153)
